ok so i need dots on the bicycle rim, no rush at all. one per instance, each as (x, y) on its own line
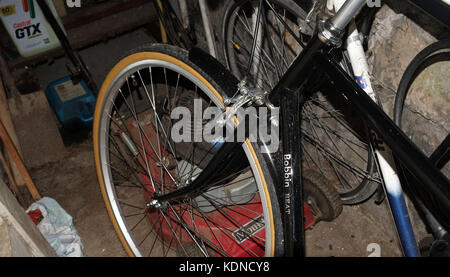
(233, 219)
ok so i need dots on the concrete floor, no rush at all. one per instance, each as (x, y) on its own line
(73, 183)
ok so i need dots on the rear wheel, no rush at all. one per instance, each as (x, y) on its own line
(137, 157)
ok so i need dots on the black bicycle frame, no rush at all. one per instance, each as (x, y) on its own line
(310, 65)
(317, 59)
(316, 63)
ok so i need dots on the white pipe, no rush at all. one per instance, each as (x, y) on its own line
(358, 60)
(207, 26)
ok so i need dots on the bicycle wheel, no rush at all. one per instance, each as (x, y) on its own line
(136, 158)
(421, 110)
(422, 98)
(334, 143)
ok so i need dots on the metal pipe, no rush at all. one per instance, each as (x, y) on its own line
(161, 24)
(184, 13)
(333, 29)
(65, 44)
(59, 32)
(346, 13)
(9, 146)
(207, 26)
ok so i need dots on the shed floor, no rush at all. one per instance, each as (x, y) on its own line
(73, 183)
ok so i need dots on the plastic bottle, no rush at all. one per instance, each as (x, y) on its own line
(27, 27)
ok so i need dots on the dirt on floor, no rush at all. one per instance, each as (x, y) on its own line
(359, 231)
(72, 182)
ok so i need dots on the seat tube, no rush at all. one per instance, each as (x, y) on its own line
(292, 209)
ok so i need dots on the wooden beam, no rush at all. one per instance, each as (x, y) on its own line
(94, 13)
(25, 232)
(60, 6)
(5, 116)
(12, 183)
(11, 149)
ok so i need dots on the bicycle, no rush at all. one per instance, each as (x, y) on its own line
(233, 199)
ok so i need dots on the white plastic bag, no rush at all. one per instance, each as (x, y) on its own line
(57, 228)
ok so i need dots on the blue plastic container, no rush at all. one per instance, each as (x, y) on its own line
(74, 104)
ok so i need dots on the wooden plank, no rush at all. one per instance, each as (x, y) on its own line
(94, 13)
(12, 183)
(113, 25)
(5, 118)
(60, 6)
(37, 130)
(15, 217)
(11, 149)
(5, 115)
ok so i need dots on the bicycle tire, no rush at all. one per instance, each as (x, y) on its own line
(323, 199)
(434, 53)
(354, 179)
(211, 78)
(415, 67)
